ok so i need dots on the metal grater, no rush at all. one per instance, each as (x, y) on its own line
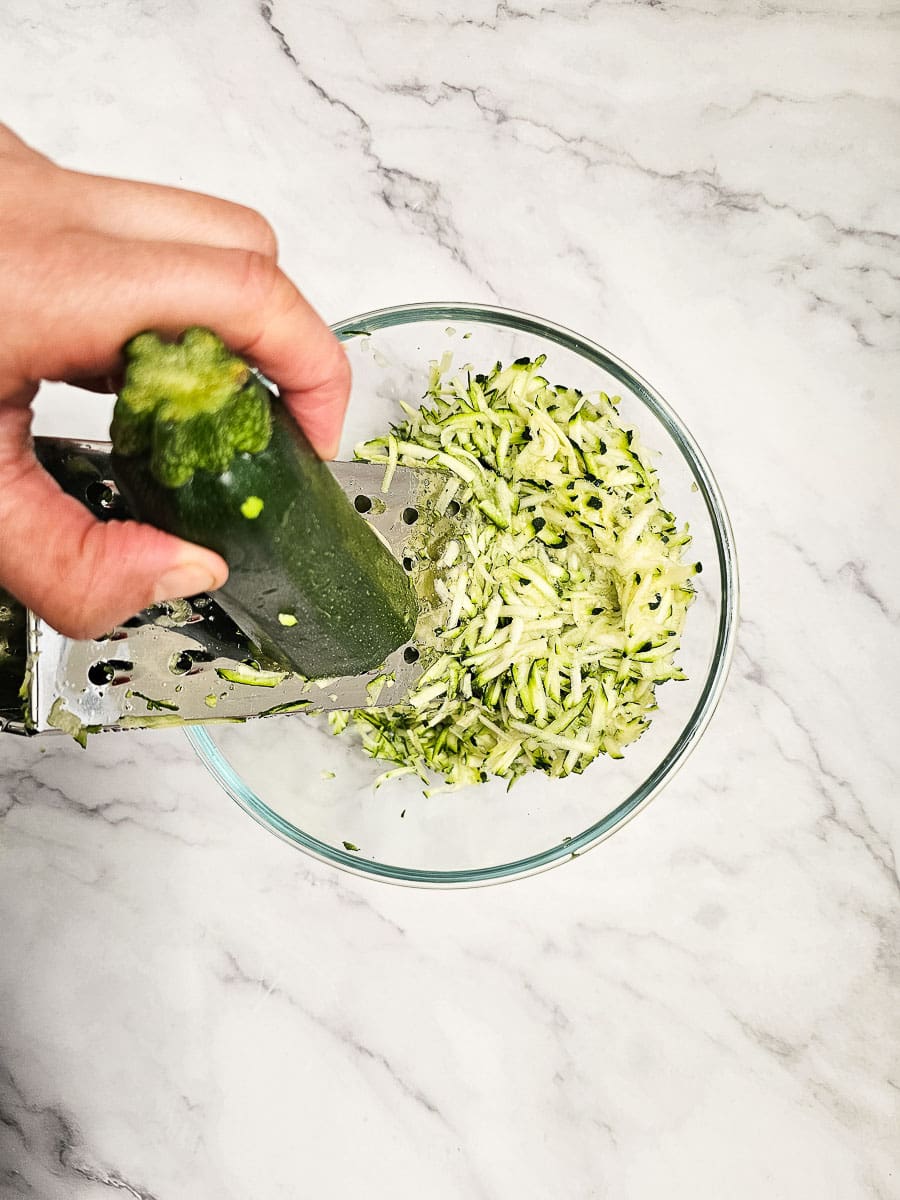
(165, 665)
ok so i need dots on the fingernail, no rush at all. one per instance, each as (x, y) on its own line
(187, 579)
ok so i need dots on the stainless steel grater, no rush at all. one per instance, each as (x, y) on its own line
(178, 662)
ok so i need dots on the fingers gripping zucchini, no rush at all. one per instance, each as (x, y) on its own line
(204, 450)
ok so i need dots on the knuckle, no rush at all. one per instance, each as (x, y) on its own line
(257, 279)
(247, 229)
(260, 234)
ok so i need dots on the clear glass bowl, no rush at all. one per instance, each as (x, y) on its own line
(276, 769)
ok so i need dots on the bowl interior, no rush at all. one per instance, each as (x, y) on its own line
(280, 769)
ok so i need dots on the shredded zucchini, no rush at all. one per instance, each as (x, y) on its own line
(565, 601)
(251, 673)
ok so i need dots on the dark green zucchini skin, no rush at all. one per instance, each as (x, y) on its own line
(307, 554)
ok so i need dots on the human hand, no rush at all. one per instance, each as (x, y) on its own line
(85, 263)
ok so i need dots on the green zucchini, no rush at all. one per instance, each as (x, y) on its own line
(203, 449)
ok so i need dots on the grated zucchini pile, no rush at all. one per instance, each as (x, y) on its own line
(563, 603)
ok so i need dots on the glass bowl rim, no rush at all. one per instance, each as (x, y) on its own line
(713, 685)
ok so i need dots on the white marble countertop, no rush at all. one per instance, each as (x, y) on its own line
(705, 1006)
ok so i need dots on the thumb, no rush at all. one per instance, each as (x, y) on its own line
(83, 576)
